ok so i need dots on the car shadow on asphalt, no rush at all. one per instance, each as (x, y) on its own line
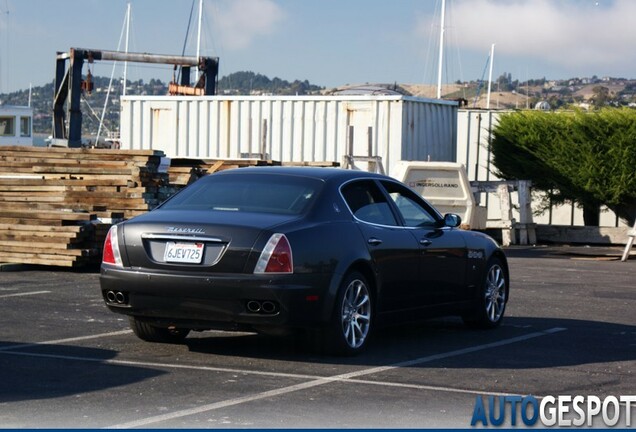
(521, 343)
(42, 371)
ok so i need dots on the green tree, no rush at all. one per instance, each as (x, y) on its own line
(601, 96)
(245, 82)
(587, 158)
(504, 82)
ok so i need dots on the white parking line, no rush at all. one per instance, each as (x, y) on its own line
(155, 365)
(62, 341)
(24, 294)
(326, 380)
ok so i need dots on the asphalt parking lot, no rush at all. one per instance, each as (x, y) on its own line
(66, 361)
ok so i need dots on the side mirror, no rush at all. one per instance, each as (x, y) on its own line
(452, 220)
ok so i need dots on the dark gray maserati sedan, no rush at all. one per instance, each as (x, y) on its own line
(331, 252)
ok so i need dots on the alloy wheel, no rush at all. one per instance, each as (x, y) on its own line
(356, 313)
(495, 293)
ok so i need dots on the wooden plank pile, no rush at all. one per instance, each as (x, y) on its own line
(57, 204)
(184, 171)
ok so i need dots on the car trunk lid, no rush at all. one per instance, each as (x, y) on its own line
(201, 241)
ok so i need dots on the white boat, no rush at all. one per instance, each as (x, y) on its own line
(16, 125)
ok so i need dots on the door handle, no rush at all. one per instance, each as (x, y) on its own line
(374, 241)
(426, 242)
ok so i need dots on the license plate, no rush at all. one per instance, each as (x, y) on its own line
(191, 253)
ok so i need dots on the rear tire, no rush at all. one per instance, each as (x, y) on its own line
(351, 324)
(150, 333)
(489, 308)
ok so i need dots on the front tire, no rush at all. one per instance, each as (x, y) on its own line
(488, 310)
(149, 333)
(352, 320)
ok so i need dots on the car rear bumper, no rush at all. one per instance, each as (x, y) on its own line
(218, 301)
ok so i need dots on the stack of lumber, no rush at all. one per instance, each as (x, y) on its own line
(50, 238)
(57, 204)
(184, 171)
(319, 164)
(93, 180)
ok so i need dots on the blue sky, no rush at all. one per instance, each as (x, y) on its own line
(330, 42)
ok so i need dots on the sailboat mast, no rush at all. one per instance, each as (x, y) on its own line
(441, 50)
(492, 59)
(126, 48)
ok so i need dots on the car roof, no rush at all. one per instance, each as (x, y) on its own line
(338, 174)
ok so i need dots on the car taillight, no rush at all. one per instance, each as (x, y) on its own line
(276, 256)
(111, 253)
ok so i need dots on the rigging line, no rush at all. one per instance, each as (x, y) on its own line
(433, 40)
(185, 40)
(216, 40)
(450, 42)
(92, 111)
(110, 82)
(208, 31)
(454, 42)
(481, 81)
(461, 69)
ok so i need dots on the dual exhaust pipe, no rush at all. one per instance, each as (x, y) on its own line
(262, 307)
(253, 306)
(116, 297)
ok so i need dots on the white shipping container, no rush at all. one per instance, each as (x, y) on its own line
(292, 128)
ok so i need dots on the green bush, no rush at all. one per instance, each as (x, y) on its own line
(587, 158)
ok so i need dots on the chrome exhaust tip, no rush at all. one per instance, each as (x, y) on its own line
(120, 297)
(253, 306)
(268, 307)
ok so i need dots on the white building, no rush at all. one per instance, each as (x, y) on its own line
(16, 125)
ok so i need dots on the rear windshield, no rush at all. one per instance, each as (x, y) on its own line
(256, 193)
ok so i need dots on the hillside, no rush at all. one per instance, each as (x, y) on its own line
(558, 94)
(506, 94)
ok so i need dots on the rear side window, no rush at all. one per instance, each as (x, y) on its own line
(367, 203)
(257, 193)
